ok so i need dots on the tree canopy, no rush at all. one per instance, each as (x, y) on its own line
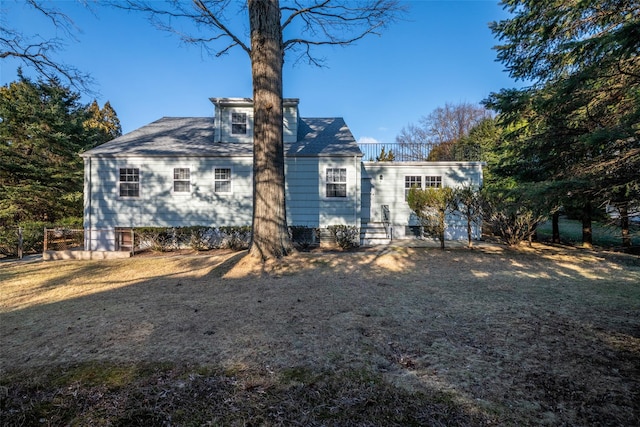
(431, 206)
(438, 134)
(102, 123)
(577, 126)
(43, 127)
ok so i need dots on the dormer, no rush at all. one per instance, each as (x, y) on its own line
(233, 119)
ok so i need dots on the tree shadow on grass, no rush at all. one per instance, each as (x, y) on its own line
(155, 394)
(323, 338)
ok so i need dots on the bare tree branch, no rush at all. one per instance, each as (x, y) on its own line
(208, 16)
(218, 24)
(298, 12)
(317, 23)
(441, 130)
(337, 23)
(57, 18)
(39, 54)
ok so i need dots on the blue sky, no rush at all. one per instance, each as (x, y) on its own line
(440, 53)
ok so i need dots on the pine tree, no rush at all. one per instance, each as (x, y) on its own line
(578, 122)
(102, 124)
(385, 156)
(41, 133)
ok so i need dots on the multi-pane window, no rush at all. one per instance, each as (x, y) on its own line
(239, 123)
(411, 182)
(336, 182)
(181, 180)
(416, 182)
(222, 180)
(432, 181)
(129, 181)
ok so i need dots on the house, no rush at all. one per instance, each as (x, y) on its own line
(198, 171)
(385, 186)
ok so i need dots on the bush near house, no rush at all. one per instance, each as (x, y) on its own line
(203, 238)
(347, 236)
(304, 237)
(199, 238)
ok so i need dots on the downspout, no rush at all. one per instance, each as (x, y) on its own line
(355, 201)
(89, 195)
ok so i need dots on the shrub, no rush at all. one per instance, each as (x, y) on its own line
(69, 222)
(9, 241)
(469, 203)
(199, 238)
(33, 236)
(347, 236)
(431, 206)
(236, 238)
(303, 237)
(511, 220)
(158, 239)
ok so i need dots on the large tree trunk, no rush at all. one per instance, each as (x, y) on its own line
(587, 231)
(623, 208)
(270, 234)
(443, 228)
(555, 225)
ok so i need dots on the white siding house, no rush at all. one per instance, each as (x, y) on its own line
(388, 185)
(198, 171)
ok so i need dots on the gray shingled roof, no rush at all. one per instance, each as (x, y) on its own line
(193, 136)
(323, 137)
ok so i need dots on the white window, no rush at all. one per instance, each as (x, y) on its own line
(432, 181)
(336, 182)
(222, 180)
(238, 123)
(411, 182)
(181, 180)
(129, 182)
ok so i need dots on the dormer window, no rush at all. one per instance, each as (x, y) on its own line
(238, 123)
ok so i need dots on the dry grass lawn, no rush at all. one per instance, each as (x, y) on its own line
(490, 336)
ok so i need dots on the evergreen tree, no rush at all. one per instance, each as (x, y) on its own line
(386, 156)
(42, 131)
(480, 144)
(110, 121)
(103, 124)
(576, 127)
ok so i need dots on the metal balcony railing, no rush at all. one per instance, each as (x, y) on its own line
(402, 152)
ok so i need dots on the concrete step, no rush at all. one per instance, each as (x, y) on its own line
(327, 239)
(373, 229)
(372, 234)
(374, 241)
